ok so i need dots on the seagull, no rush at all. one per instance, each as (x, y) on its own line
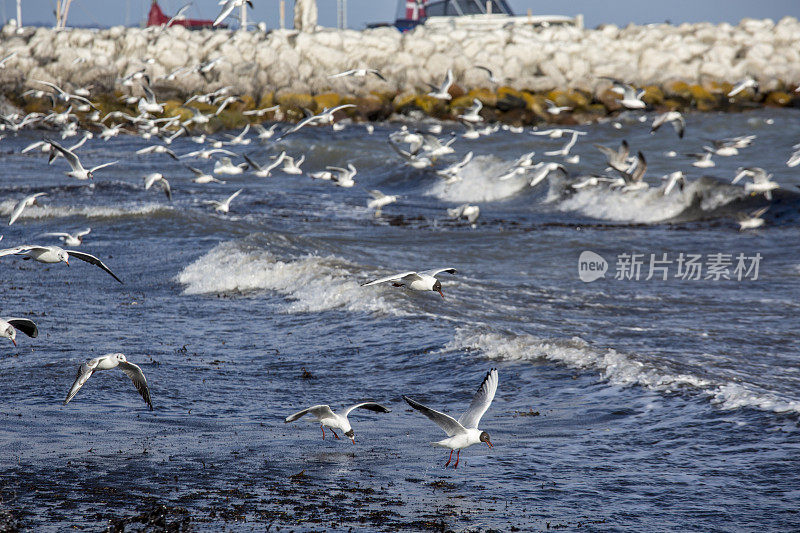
(415, 281)
(492, 78)
(138, 75)
(226, 166)
(77, 172)
(751, 220)
(180, 15)
(631, 97)
(9, 327)
(206, 154)
(451, 173)
(65, 96)
(261, 112)
(473, 113)
(464, 432)
(239, 139)
(761, 181)
(703, 160)
(470, 212)
(358, 73)
(54, 254)
(553, 109)
(344, 176)
(634, 178)
(224, 104)
(157, 177)
(543, 170)
(412, 159)
(225, 206)
(6, 58)
(333, 421)
(325, 117)
(148, 103)
(556, 133)
(673, 117)
(265, 172)
(290, 166)
(442, 92)
(202, 177)
(265, 134)
(107, 362)
(22, 204)
(434, 147)
(564, 151)
(594, 181)
(228, 7)
(379, 200)
(677, 178)
(157, 149)
(55, 154)
(794, 159)
(70, 239)
(748, 83)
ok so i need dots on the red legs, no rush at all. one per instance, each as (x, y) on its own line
(334, 433)
(449, 459)
(323, 432)
(458, 456)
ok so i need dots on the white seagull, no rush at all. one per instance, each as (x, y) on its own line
(379, 200)
(70, 239)
(202, 177)
(9, 327)
(333, 421)
(415, 281)
(470, 212)
(761, 181)
(464, 432)
(226, 166)
(225, 205)
(22, 204)
(357, 73)
(227, 7)
(442, 93)
(748, 83)
(751, 220)
(107, 362)
(673, 117)
(157, 177)
(344, 177)
(472, 114)
(77, 172)
(54, 254)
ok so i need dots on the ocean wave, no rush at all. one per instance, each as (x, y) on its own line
(311, 283)
(479, 182)
(617, 368)
(40, 212)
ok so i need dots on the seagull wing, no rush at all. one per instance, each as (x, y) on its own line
(93, 260)
(446, 422)
(71, 158)
(104, 165)
(28, 327)
(85, 371)
(436, 271)
(320, 411)
(405, 276)
(137, 376)
(371, 406)
(18, 209)
(232, 196)
(226, 10)
(481, 401)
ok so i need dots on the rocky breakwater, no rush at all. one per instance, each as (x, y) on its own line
(685, 66)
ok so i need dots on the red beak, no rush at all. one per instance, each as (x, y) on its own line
(353, 439)
(15, 342)
(440, 292)
(489, 444)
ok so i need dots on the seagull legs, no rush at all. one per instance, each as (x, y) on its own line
(449, 459)
(458, 456)
(323, 432)
(334, 434)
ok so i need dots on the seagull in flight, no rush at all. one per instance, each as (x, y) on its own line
(415, 281)
(673, 117)
(22, 204)
(228, 7)
(202, 177)
(464, 432)
(751, 220)
(358, 73)
(442, 92)
(333, 421)
(54, 254)
(78, 171)
(325, 117)
(70, 239)
(107, 362)
(10, 326)
(157, 177)
(225, 205)
(748, 83)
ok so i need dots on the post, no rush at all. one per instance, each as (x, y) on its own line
(344, 14)
(488, 7)
(282, 7)
(243, 17)
(19, 13)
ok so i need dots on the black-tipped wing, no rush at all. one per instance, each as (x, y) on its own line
(481, 401)
(137, 376)
(93, 260)
(85, 371)
(320, 411)
(438, 271)
(446, 422)
(28, 327)
(371, 406)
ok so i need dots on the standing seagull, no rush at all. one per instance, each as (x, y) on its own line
(415, 281)
(25, 202)
(107, 362)
(77, 172)
(464, 432)
(9, 327)
(225, 205)
(326, 417)
(54, 254)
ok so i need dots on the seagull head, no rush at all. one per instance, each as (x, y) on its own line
(352, 434)
(485, 438)
(63, 256)
(120, 358)
(438, 287)
(11, 333)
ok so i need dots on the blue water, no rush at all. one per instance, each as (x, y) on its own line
(622, 404)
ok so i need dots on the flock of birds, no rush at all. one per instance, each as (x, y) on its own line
(417, 149)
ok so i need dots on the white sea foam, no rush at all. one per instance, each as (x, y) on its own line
(39, 212)
(615, 367)
(312, 283)
(479, 182)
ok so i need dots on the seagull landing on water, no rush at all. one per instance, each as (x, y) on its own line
(22, 204)
(10, 326)
(107, 362)
(333, 421)
(54, 254)
(415, 281)
(470, 212)
(751, 220)
(70, 239)
(464, 432)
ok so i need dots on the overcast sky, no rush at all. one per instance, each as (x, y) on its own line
(361, 12)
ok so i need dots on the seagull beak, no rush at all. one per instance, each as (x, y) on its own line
(440, 292)
(15, 342)
(353, 439)
(489, 444)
